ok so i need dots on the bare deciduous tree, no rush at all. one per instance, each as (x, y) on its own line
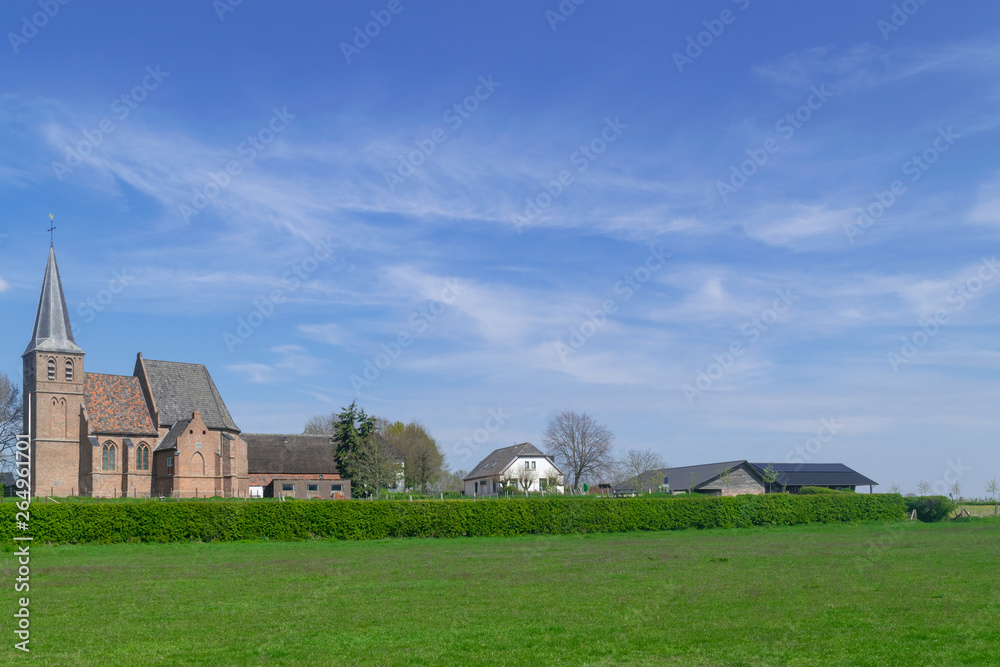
(992, 488)
(10, 421)
(449, 481)
(923, 487)
(525, 478)
(640, 468)
(321, 425)
(582, 445)
(894, 488)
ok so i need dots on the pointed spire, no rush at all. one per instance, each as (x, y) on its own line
(52, 332)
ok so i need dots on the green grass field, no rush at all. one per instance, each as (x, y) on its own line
(894, 594)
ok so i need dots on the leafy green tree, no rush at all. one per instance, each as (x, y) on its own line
(770, 476)
(374, 466)
(352, 429)
(423, 462)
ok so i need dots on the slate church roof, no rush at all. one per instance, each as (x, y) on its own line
(52, 331)
(180, 389)
(115, 405)
(170, 439)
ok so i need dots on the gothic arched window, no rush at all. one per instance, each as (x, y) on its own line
(108, 456)
(142, 457)
(69, 370)
(52, 369)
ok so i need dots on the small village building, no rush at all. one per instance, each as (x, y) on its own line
(294, 466)
(521, 466)
(732, 478)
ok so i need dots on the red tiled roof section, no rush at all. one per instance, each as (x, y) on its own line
(115, 404)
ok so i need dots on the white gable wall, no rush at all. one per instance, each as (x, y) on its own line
(541, 467)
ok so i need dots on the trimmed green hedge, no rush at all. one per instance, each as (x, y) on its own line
(816, 490)
(930, 508)
(344, 520)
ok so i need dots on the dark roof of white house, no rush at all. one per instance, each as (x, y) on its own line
(52, 331)
(180, 389)
(499, 459)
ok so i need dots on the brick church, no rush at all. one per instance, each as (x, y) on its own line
(162, 431)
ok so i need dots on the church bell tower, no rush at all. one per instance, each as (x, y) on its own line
(54, 386)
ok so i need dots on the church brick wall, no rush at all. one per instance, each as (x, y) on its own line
(55, 423)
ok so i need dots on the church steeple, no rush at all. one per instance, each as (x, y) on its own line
(52, 332)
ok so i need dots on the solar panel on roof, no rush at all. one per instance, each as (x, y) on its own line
(805, 467)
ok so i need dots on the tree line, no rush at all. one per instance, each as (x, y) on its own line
(377, 454)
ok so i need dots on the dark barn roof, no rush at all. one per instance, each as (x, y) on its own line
(278, 454)
(816, 474)
(788, 474)
(499, 459)
(180, 389)
(686, 477)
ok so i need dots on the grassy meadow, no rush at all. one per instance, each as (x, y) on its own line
(891, 594)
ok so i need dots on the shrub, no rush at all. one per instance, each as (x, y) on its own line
(226, 521)
(930, 508)
(815, 490)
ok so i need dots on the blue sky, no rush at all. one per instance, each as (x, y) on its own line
(646, 211)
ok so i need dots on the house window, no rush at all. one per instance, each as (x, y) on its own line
(527, 465)
(142, 457)
(108, 456)
(313, 487)
(287, 487)
(543, 484)
(69, 371)
(170, 465)
(532, 465)
(52, 369)
(336, 487)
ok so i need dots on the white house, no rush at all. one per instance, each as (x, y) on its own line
(517, 466)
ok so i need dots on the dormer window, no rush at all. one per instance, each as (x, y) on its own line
(69, 371)
(52, 369)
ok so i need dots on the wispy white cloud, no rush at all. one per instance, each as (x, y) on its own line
(293, 362)
(986, 209)
(865, 66)
(323, 333)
